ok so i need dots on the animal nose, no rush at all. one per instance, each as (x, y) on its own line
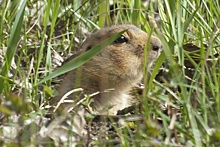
(156, 44)
(155, 47)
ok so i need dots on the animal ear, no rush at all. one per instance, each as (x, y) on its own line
(88, 48)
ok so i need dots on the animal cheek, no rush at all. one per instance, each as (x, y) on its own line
(139, 50)
(154, 54)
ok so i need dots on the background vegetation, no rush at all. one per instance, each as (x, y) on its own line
(181, 108)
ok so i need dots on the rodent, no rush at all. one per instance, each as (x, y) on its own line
(116, 69)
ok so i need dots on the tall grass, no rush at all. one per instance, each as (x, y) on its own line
(175, 111)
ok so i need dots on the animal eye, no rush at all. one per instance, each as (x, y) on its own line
(121, 39)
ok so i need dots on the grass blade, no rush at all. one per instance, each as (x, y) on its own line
(12, 43)
(80, 60)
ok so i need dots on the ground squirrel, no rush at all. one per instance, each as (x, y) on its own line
(115, 70)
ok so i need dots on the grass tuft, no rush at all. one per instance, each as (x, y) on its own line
(180, 103)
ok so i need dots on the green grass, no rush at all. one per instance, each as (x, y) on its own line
(32, 32)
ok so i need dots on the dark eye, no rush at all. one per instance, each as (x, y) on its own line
(121, 39)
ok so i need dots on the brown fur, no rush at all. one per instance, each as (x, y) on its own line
(117, 68)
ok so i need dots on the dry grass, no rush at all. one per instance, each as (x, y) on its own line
(180, 108)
